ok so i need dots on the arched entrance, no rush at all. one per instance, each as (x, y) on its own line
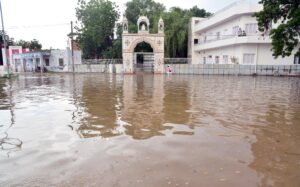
(143, 59)
(134, 44)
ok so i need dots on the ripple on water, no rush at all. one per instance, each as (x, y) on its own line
(135, 130)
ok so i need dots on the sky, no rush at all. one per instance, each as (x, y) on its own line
(49, 20)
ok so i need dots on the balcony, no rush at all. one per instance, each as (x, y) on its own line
(228, 13)
(232, 40)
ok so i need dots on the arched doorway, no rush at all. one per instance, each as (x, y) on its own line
(136, 46)
(143, 58)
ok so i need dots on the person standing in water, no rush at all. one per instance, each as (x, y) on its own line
(169, 69)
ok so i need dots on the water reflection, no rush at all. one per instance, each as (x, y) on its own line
(99, 100)
(276, 150)
(216, 130)
(7, 143)
(138, 106)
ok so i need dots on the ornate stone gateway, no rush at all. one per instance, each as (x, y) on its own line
(131, 40)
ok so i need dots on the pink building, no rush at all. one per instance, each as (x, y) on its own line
(7, 56)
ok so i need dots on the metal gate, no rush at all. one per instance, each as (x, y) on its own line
(143, 62)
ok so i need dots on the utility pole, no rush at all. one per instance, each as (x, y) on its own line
(4, 39)
(73, 67)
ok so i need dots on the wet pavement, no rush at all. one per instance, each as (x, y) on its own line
(145, 130)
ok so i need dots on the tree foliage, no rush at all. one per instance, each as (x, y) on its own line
(115, 51)
(176, 29)
(285, 13)
(97, 20)
(9, 40)
(176, 32)
(197, 12)
(33, 44)
(137, 8)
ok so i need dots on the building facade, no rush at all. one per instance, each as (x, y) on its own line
(231, 36)
(155, 60)
(46, 60)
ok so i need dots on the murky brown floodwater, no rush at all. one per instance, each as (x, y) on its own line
(106, 130)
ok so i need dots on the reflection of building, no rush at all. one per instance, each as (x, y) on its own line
(98, 101)
(276, 149)
(231, 36)
(143, 100)
(136, 105)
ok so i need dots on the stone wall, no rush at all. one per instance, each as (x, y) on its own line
(230, 69)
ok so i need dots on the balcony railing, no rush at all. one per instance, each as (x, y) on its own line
(224, 37)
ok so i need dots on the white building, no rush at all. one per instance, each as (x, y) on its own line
(231, 36)
(51, 60)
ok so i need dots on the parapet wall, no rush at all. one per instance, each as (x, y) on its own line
(231, 69)
(98, 68)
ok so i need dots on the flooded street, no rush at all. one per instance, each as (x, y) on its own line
(145, 130)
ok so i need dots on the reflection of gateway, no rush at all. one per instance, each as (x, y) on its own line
(143, 51)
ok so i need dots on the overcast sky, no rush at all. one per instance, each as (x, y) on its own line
(49, 20)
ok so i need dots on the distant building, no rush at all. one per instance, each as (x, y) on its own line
(7, 57)
(231, 36)
(30, 61)
(46, 60)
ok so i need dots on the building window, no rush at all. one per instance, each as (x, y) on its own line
(248, 59)
(204, 60)
(218, 35)
(217, 59)
(210, 59)
(296, 59)
(37, 60)
(195, 41)
(61, 62)
(47, 61)
(235, 30)
(225, 59)
(251, 28)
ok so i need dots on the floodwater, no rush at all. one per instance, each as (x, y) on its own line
(145, 130)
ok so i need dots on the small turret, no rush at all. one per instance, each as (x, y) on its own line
(161, 26)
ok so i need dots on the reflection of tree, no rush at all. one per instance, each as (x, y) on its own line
(276, 151)
(8, 144)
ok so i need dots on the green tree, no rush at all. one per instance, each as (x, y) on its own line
(197, 12)
(97, 20)
(9, 40)
(176, 29)
(115, 51)
(286, 13)
(137, 8)
(23, 43)
(33, 44)
(176, 32)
